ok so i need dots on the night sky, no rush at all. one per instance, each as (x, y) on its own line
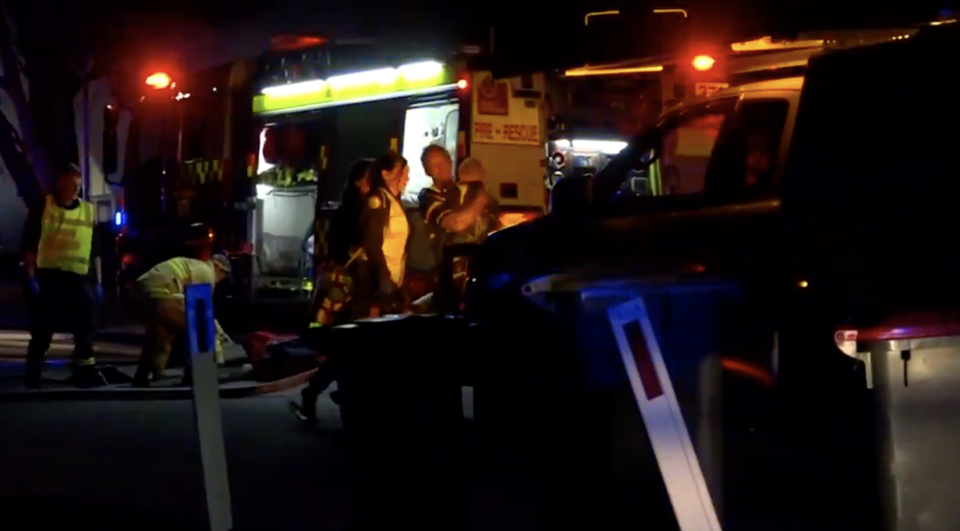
(209, 32)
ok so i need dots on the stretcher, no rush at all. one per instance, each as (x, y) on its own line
(278, 356)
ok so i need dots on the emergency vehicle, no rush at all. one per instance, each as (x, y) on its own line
(297, 117)
(602, 106)
(800, 245)
(708, 133)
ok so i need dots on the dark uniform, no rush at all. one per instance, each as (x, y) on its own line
(436, 202)
(64, 240)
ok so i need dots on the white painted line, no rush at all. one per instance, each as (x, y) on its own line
(23, 335)
(662, 417)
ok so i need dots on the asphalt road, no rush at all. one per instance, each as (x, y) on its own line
(136, 465)
(237, 316)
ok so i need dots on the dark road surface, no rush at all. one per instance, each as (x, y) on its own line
(237, 317)
(136, 465)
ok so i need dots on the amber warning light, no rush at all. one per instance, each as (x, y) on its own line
(703, 62)
(158, 80)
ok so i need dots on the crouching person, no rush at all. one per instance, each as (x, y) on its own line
(160, 297)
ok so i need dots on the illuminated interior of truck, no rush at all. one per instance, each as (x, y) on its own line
(350, 116)
(312, 131)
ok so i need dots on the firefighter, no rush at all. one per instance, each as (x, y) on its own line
(62, 263)
(446, 217)
(345, 267)
(440, 203)
(442, 211)
(160, 296)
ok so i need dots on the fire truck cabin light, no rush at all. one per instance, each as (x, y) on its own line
(607, 147)
(703, 63)
(415, 79)
(592, 71)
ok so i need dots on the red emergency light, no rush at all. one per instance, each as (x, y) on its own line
(159, 80)
(703, 62)
(290, 43)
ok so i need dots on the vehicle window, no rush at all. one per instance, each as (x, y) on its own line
(686, 152)
(671, 159)
(747, 156)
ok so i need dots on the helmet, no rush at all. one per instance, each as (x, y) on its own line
(220, 261)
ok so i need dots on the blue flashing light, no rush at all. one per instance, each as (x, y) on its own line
(119, 218)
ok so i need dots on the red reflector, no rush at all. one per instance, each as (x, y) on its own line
(641, 356)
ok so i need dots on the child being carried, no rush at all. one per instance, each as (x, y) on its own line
(471, 174)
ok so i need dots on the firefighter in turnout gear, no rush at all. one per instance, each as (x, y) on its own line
(160, 296)
(62, 263)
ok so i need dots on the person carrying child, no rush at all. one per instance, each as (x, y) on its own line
(471, 175)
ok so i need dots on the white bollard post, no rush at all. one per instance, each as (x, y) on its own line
(661, 415)
(206, 405)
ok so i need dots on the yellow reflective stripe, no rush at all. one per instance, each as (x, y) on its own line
(69, 259)
(433, 207)
(161, 293)
(86, 362)
(60, 242)
(69, 222)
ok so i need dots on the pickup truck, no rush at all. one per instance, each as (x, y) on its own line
(829, 200)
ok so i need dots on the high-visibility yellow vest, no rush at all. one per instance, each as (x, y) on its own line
(66, 237)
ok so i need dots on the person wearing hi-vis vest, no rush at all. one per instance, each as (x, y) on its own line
(161, 301)
(62, 263)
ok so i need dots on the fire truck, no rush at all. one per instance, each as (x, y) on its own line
(598, 108)
(253, 155)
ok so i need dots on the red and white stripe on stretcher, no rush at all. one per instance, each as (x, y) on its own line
(661, 415)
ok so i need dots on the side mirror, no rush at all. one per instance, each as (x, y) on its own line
(552, 179)
(572, 196)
